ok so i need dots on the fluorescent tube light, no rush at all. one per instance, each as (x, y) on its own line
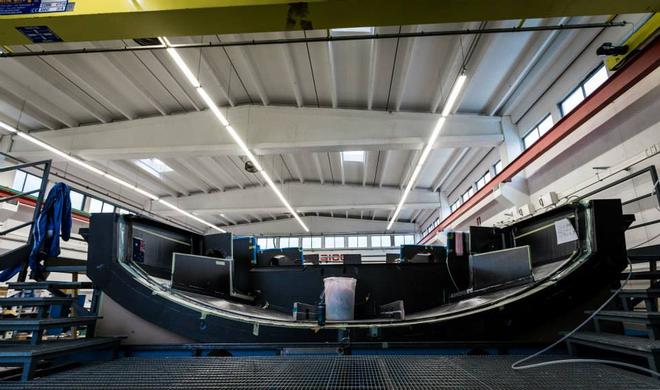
(451, 100)
(99, 172)
(453, 95)
(232, 132)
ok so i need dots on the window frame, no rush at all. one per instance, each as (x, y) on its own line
(498, 170)
(580, 86)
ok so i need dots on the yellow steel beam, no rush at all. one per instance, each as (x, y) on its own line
(92, 20)
(646, 31)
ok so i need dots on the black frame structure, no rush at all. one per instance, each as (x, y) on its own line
(553, 302)
(21, 253)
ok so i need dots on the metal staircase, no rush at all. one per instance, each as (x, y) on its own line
(38, 335)
(630, 331)
(42, 322)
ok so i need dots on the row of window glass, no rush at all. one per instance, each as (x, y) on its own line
(480, 183)
(26, 182)
(584, 89)
(432, 226)
(337, 242)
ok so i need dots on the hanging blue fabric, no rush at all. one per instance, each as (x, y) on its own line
(53, 220)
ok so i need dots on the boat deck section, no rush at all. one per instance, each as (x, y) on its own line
(339, 372)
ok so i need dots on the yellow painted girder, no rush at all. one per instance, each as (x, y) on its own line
(93, 20)
(633, 42)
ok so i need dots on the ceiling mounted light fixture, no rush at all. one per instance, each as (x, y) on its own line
(446, 110)
(225, 123)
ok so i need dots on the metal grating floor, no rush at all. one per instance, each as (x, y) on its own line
(344, 372)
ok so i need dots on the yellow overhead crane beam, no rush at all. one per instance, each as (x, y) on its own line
(94, 20)
(639, 37)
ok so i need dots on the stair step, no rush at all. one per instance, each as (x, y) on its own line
(27, 325)
(616, 342)
(47, 285)
(644, 254)
(640, 293)
(641, 317)
(56, 347)
(71, 269)
(35, 301)
(68, 265)
(642, 275)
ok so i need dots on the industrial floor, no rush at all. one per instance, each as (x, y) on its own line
(345, 372)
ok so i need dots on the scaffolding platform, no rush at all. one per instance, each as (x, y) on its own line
(339, 372)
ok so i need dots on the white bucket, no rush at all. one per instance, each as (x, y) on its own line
(339, 298)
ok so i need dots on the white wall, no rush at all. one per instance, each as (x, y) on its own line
(626, 129)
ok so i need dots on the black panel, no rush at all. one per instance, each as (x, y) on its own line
(423, 253)
(501, 267)
(420, 286)
(352, 258)
(391, 258)
(311, 259)
(245, 255)
(155, 246)
(541, 236)
(486, 239)
(284, 256)
(218, 245)
(201, 274)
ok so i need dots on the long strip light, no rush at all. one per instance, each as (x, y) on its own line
(449, 105)
(101, 173)
(225, 123)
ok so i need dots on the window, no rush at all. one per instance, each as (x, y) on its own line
(77, 200)
(568, 104)
(332, 242)
(26, 182)
(483, 180)
(407, 239)
(289, 242)
(317, 242)
(467, 194)
(329, 242)
(266, 243)
(311, 242)
(497, 167)
(107, 208)
(590, 84)
(353, 156)
(357, 242)
(533, 135)
(595, 80)
(381, 241)
(99, 206)
(154, 166)
(454, 206)
(530, 138)
(545, 125)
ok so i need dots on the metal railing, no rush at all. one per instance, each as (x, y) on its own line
(655, 191)
(44, 168)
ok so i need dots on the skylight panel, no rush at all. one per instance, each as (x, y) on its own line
(352, 31)
(353, 156)
(154, 166)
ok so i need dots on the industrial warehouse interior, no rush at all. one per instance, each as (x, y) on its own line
(333, 194)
